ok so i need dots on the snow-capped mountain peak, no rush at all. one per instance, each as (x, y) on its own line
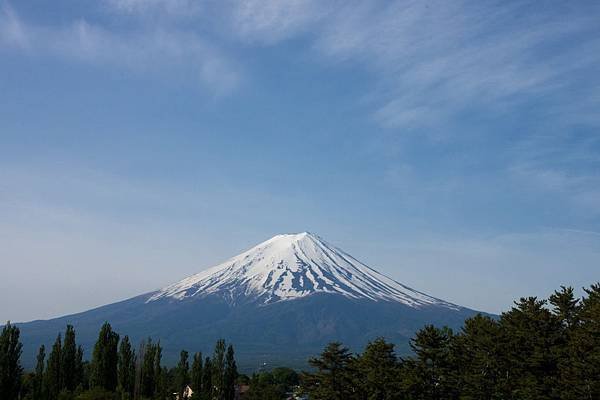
(292, 266)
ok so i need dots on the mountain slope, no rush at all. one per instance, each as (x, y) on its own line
(279, 302)
(289, 267)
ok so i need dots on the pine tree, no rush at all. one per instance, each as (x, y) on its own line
(378, 369)
(585, 348)
(230, 374)
(126, 369)
(197, 373)
(105, 359)
(566, 308)
(530, 336)
(479, 357)
(333, 379)
(182, 377)
(435, 371)
(10, 364)
(38, 383)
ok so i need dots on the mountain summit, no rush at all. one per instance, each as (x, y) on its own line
(279, 302)
(292, 266)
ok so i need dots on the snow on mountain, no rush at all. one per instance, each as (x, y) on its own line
(293, 266)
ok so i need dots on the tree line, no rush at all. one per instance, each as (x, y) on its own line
(115, 371)
(538, 350)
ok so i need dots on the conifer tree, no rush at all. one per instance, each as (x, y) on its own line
(10, 364)
(435, 371)
(378, 369)
(148, 375)
(333, 379)
(38, 382)
(197, 373)
(68, 355)
(531, 333)
(53, 376)
(126, 369)
(160, 383)
(140, 362)
(479, 357)
(565, 306)
(105, 359)
(80, 369)
(207, 385)
(182, 377)
(218, 370)
(566, 309)
(230, 374)
(585, 347)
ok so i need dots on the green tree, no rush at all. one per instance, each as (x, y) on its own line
(566, 309)
(148, 376)
(126, 369)
(585, 348)
(530, 334)
(182, 376)
(160, 384)
(378, 370)
(105, 359)
(197, 372)
(334, 376)
(38, 380)
(207, 385)
(264, 387)
(69, 361)
(479, 353)
(218, 370)
(435, 371)
(10, 364)
(53, 376)
(230, 374)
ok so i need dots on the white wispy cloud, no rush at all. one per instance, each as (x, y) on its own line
(435, 59)
(171, 53)
(12, 32)
(171, 8)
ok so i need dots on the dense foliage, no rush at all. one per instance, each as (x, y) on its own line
(116, 371)
(539, 350)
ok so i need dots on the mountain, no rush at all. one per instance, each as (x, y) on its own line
(279, 302)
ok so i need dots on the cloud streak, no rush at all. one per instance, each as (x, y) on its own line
(172, 54)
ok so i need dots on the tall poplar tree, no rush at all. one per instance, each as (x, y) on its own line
(53, 375)
(182, 376)
(218, 370)
(10, 364)
(105, 359)
(230, 374)
(68, 355)
(126, 368)
(159, 381)
(148, 376)
(207, 384)
(38, 378)
(196, 378)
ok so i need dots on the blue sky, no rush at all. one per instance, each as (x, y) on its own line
(453, 146)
